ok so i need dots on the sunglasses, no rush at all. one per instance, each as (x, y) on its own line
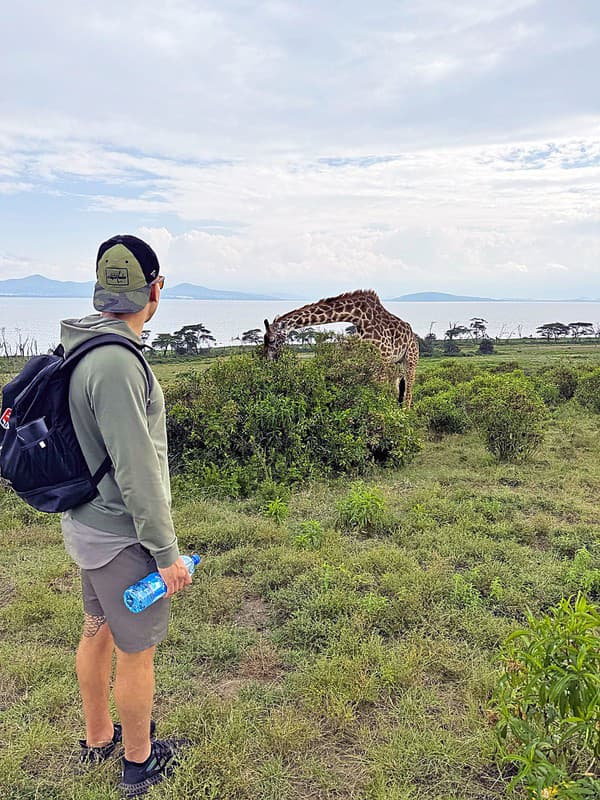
(160, 281)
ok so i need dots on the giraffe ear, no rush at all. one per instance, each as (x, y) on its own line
(267, 326)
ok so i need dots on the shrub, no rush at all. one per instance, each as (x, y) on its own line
(582, 574)
(433, 385)
(246, 422)
(451, 348)
(310, 535)
(364, 508)
(486, 347)
(564, 378)
(443, 414)
(547, 702)
(547, 390)
(510, 414)
(587, 393)
(277, 510)
(456, 371)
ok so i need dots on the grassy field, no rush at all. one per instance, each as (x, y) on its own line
(312, 658)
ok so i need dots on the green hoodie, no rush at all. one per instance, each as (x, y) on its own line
(108, 400)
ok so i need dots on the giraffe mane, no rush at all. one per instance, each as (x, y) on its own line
(370, 294)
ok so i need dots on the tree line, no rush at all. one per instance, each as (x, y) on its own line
(189, 340)
(192, 340)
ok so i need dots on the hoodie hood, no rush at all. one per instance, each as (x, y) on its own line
(74, 332)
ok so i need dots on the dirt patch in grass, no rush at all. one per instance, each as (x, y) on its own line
(253, 613)
(261, 664)
(10, 693)
(65, 583)
(8, 591)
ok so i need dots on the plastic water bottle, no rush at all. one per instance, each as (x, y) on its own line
(151, 588)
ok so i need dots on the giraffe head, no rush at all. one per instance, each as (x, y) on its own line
(275, 336)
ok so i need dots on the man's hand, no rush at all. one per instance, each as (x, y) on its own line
(176, 576)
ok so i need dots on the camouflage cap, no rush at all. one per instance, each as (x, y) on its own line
(125, 268)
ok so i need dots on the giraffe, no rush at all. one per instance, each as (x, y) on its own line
(394, 337)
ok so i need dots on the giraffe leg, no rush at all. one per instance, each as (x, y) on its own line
(400, 388)
(410, 370)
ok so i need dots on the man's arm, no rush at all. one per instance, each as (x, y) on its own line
(118, 391)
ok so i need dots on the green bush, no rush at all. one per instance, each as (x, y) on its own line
(277, 510)
(456, 371)
(548, 391)
(364, 509)
(245, 421)
(510, 414)
(443, 414)
(563, 378)
(486, 347)
(548, 703)
(310, 536)
(587, 393)
(433, 385)
(582, 574)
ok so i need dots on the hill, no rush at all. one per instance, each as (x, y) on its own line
(40, 286)
(439, 297)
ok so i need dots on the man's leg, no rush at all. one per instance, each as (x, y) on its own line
(134, 695)
(94, 667)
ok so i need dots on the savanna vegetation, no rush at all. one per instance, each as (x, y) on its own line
(391, 606)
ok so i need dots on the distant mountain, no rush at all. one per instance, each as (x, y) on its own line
(189, 291)
(39, 286)
(439, 297)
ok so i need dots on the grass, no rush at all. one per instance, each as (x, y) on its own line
(316, 656)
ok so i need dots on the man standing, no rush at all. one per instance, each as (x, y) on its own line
(126, 531)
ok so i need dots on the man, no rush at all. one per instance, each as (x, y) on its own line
(126, 531)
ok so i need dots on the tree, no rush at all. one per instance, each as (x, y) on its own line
(553, 330)
(164, 342)
(253, 336)
(579, 329)
(456, 331)
(451, 348)
(426, 345)
(478, 327)
(189, 338)
(302, 335)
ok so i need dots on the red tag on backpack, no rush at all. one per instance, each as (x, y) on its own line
(4, 419)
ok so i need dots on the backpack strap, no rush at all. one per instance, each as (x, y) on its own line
(104, 339)
(99, 341)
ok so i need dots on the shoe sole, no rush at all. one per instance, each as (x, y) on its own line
(139, 789)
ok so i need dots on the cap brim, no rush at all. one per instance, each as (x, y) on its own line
(121, 302)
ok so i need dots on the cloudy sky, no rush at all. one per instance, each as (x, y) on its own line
(307, 146)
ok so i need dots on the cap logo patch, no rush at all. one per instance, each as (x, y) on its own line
(117, 276)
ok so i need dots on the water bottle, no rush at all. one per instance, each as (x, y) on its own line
(151, 588)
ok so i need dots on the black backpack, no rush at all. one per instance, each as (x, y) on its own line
(39, 453)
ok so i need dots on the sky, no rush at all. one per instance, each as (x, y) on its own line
(308, 147)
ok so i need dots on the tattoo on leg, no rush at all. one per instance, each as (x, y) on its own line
(92, 624)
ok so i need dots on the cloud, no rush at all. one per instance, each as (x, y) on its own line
(421, 144)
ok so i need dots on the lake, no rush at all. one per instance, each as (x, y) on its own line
(38, 318)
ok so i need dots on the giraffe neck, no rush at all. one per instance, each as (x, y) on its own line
(322, 312)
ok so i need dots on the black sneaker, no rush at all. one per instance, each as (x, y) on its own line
(96, 755)
(140, 778)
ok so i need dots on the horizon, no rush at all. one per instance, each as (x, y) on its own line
(264, 298)
(306, 152)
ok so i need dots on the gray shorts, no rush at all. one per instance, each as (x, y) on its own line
(103, 596)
